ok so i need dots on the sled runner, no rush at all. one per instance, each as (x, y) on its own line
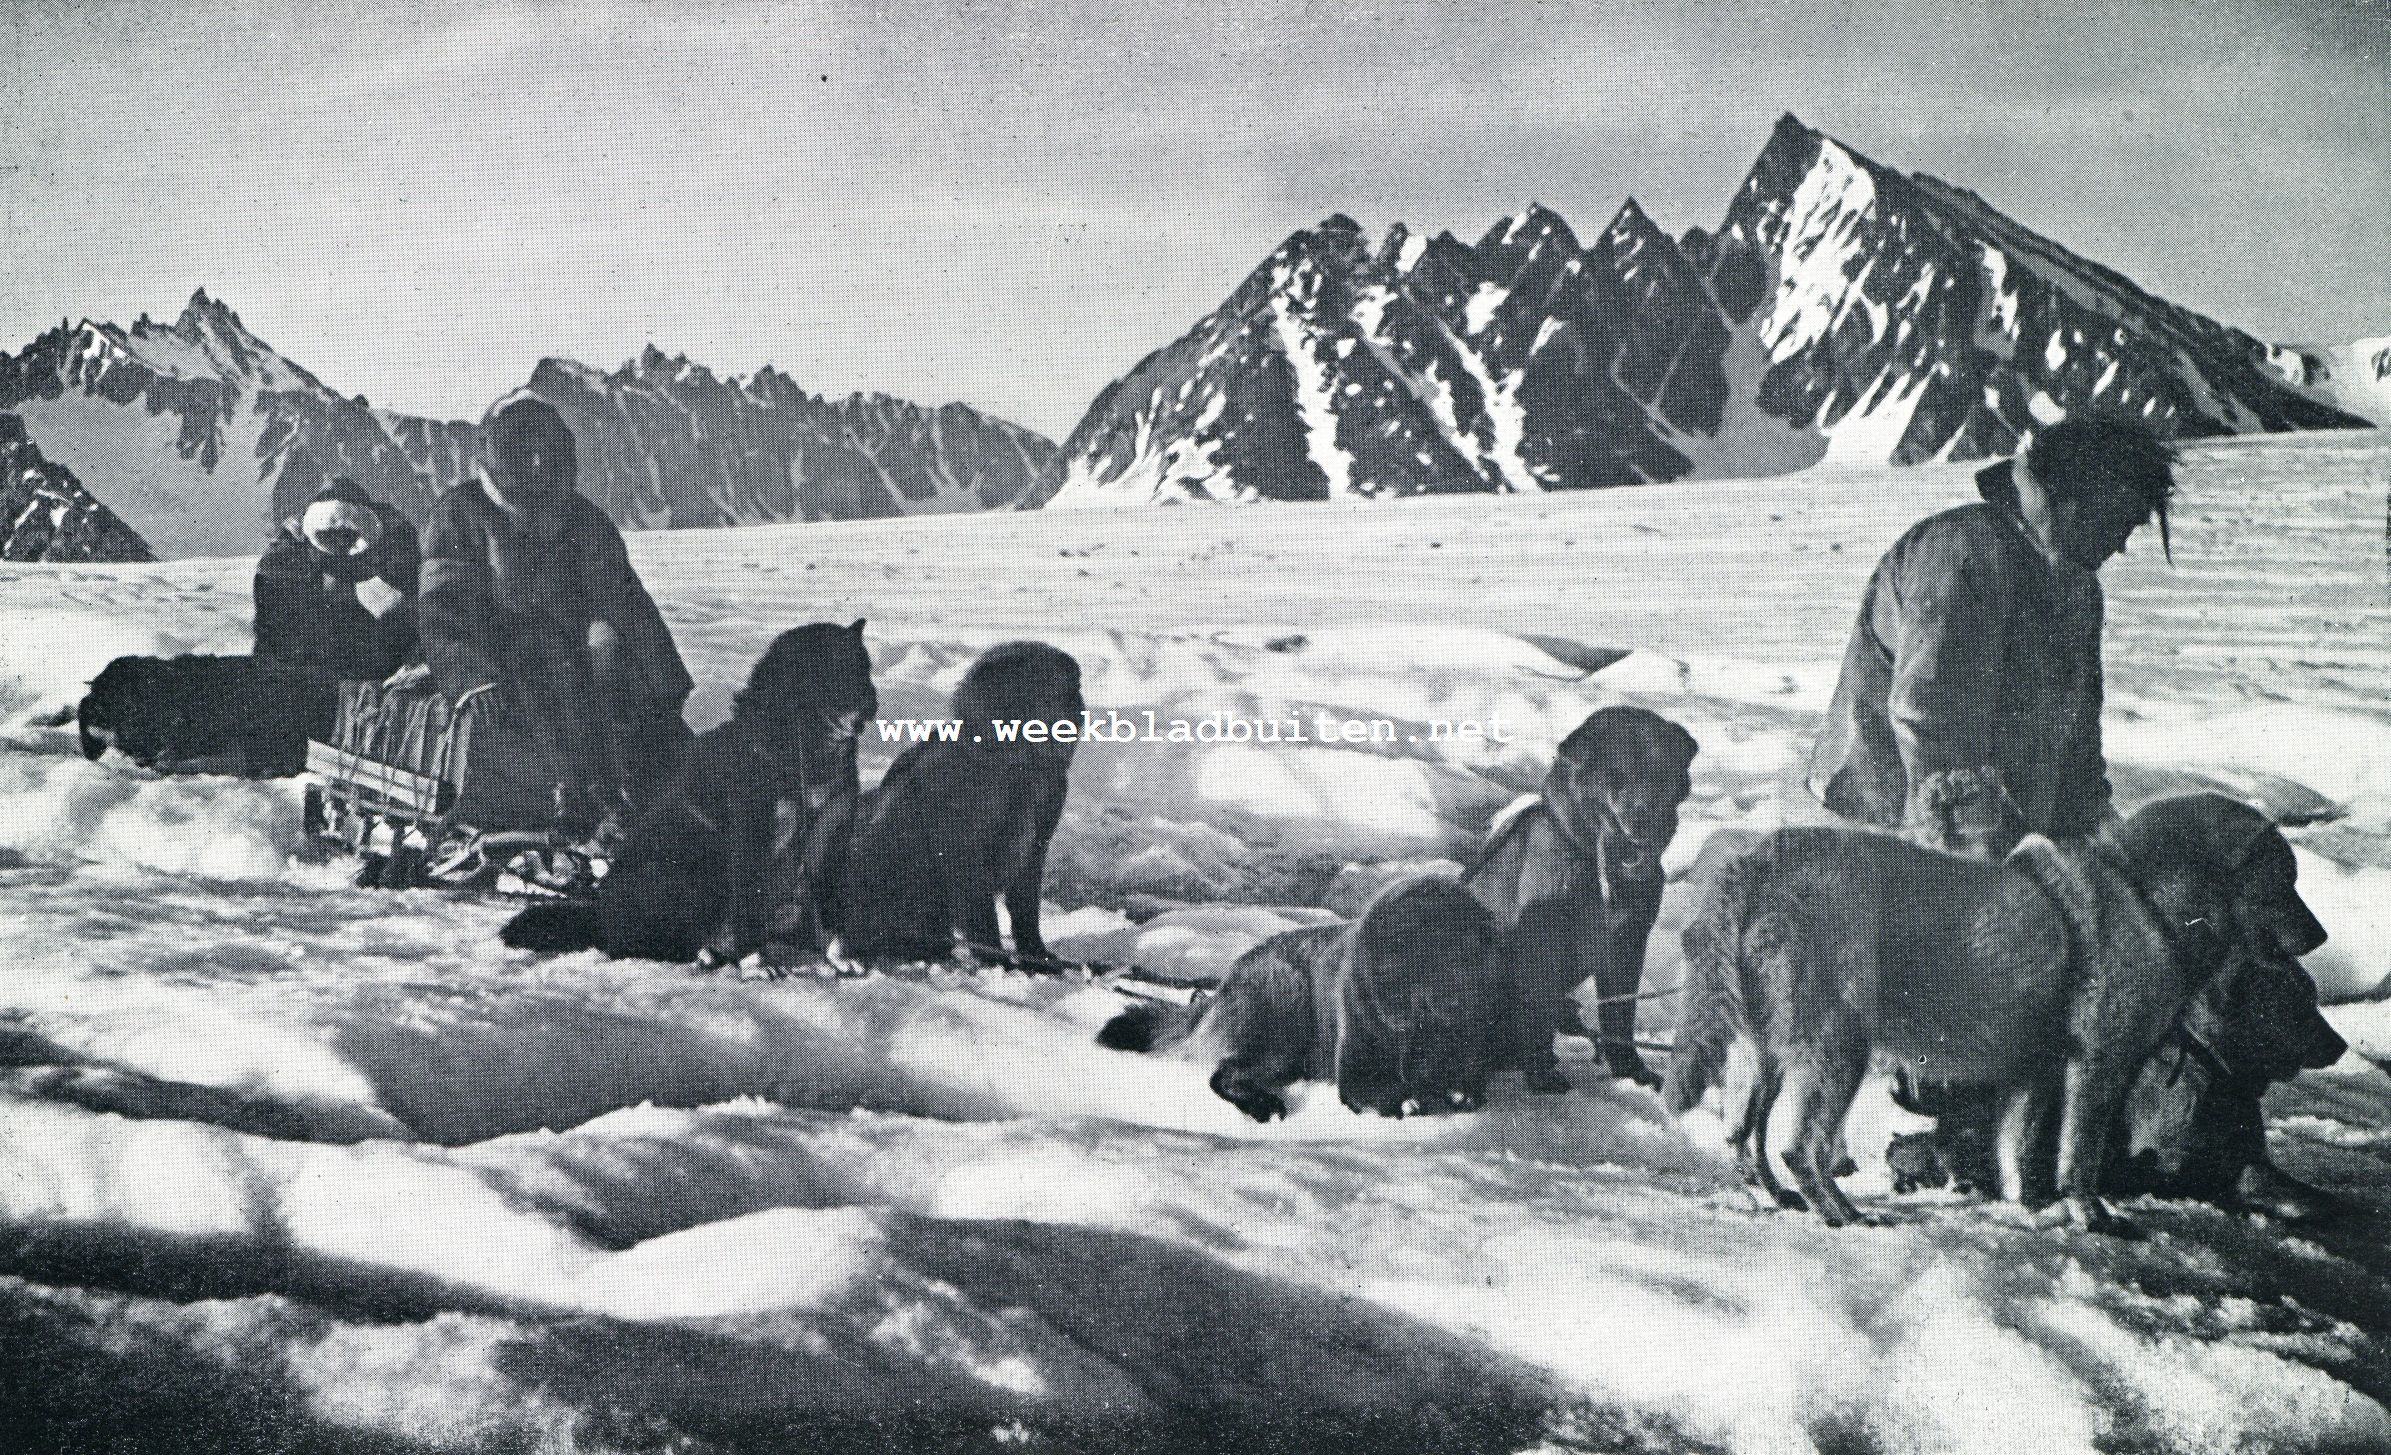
(433, 793)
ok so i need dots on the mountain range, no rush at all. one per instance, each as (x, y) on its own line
(201, 436)
(1840, 310)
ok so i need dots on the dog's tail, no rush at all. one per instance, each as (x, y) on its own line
(1151, 1026)
(553, 928)
(1711, 1012)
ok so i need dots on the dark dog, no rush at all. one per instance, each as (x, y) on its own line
(2049, 976)
(2193, 1124)
(1962, 1160)
(1401, 1009)
(745, 843)
(246, 716)
(955, 824)
(2189, 1126)
(1575, 881)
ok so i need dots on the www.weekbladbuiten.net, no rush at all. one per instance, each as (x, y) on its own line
(1146, 726)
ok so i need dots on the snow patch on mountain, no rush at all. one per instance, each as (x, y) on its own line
(2354, 376)
(1315, 400)
(178, 503)
(47, 515)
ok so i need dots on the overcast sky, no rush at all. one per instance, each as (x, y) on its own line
(1009, 204)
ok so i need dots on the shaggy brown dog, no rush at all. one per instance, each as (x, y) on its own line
(739, 852)
(1575, 881)
(1399, 1008)
(2050, 976)
(955, 824)
(248, 716)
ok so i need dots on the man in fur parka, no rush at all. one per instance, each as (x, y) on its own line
(1968, 711)
(335, 592)
(527, 589)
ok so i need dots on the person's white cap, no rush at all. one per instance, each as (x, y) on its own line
(323, 517)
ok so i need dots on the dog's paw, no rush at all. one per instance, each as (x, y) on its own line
(1258, 1102)
(1782, 1199)
(2090, 1215)
(756, 967)
(1461, 1099)
(1546, 1081)
(1261, 1106)
(709, 959)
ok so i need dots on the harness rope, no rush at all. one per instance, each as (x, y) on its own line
(805, 778)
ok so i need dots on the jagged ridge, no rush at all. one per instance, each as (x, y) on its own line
(1840, 307)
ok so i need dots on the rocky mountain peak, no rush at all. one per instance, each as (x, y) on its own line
(1839, 307)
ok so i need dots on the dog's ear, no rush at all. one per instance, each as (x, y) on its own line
(2231, 831)
(856, 626)
(1590, 742)
(1688, 746)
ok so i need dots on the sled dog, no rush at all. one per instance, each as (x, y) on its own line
(246, 716)
(1400, 1008)
(740, 851)
(2048, 977)
(1575, 881)
(955, 824)
(2255, 1023)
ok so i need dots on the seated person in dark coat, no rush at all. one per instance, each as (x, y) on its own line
(527, 589)
(335, 592)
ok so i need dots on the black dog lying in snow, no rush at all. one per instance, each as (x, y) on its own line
(246, 716)
(741, 851)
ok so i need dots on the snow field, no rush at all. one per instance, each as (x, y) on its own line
(285, 1164)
